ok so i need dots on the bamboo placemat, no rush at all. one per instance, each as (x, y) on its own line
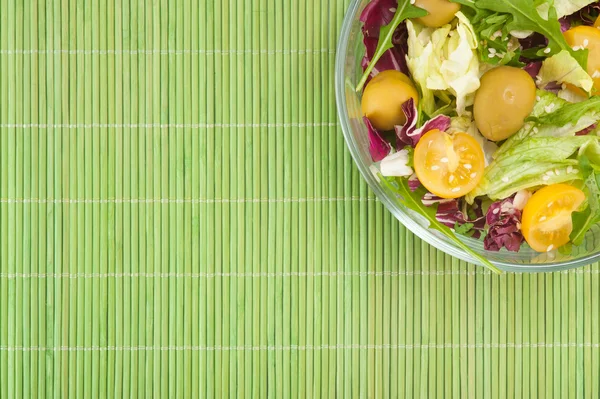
(180, 218)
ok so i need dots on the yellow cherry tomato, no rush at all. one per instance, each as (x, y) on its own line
(383, 98)
(440, 12)
(449, 166)
(597, 23)
(546, 221)
(587, 37)
(504, 99)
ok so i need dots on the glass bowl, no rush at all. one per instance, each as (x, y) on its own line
(348, 71)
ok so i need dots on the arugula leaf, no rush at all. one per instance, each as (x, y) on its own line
(526, 17)
(463, 229)
(404, 11)
(412, 200)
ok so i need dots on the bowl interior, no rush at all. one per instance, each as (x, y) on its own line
(348, 72)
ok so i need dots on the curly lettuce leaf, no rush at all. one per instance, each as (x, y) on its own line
(412, 201)
(563, 68)
(404, 10)
(553, 116)
(443, 61)
(534, 162)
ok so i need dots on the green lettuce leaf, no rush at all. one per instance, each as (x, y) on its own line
(534, 162)
(404, 10)
(569, 112)
(412, 201)
(585, 219)
(553, 116)
(563, 68)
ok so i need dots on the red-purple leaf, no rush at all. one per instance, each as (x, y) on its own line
(378, 147)
(504, 222)
(408, 134)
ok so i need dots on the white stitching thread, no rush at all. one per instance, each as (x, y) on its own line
(163, 125)
(333, 274)
(179, 201)
(524, 345)
(244, 275)
(165, 52)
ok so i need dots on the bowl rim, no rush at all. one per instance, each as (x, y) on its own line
(420, 231)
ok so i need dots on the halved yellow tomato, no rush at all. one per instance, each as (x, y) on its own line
(447, 165)
(587, 37)
(597, 23)
(546, 221)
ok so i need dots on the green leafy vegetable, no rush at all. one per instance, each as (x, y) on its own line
(412, 200)
(463, 229)
(563, 68)
(568, 7)
(527, 16)
(584, 220)
(444, 61)
(404, 11)
(534, 162)
(571, 112)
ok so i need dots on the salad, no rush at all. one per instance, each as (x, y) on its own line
(484, 116)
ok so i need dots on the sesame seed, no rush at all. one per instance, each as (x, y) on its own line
(547, 50)
(575, 171)
(549, 108)
(550, 173)
(536, 130)
(505, 179)
(542, 218)
(451, 178)
(557, 172)
(577, 48)
(538, 98)
(456, 189)
(412, 1)
(563, 86)
(550, 248)
(596, 74)
(468, 166)
(496, 211)
(444, 160)
(569, 169)
(435, 167)
(492, 50)
(393, 9)
(585, 43)
(473, 175)
(550, 204)
(490, 55)
(545, 177)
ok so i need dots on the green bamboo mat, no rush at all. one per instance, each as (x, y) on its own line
(179, 217)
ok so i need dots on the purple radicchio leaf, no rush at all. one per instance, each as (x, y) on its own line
(452, 212)
(533, 68)
(504, 231)
(586, 130)
(565, 24)
(414, 183)
(378, 147)
(375, 15)
(408, 134)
